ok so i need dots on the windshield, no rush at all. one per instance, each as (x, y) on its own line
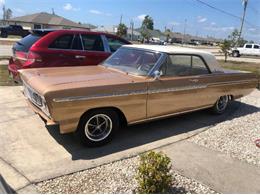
(133, 61)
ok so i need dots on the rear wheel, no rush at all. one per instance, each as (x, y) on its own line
(97, 127)
(4, 34)
(220, 105)
(236, 54)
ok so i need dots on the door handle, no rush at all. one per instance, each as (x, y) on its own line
(194, 80)
(80, 57)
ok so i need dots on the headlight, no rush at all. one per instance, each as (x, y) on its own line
(36, 99)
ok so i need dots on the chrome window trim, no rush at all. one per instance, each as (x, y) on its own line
(158, 64)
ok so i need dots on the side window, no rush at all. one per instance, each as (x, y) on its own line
(256, 47)
(184, 65)
(249, 46)
(63, 42)
(76, 44)
(92, 43)
(114, 43)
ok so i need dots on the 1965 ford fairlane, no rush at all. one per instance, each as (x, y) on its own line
(137, 83)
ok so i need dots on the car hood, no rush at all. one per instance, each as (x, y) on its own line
(48, 79)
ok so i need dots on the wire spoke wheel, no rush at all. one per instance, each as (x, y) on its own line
(98, 127)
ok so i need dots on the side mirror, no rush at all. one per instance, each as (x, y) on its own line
(157, 74)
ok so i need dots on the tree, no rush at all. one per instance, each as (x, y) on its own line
(8, 14)
(146, 27)
(167, 34)
(225, 47)
(235, 40)
(121, 30)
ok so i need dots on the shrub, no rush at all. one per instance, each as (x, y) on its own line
(153, 173)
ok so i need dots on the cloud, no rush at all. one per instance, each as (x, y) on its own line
(93, 11)
(212, 23)
(141, 17)
(215, 28)
(252, 29)
(69, 7)
(97, 12)
(174, 23)
(2, 2)
(201, 19)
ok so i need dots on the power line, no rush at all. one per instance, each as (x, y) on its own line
(226, 13)
(220, 10)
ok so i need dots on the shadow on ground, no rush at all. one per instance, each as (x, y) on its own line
(142, 134)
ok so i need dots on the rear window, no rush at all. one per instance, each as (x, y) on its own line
(63, 42)
(26, 43)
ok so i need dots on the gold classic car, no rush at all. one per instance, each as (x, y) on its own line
(137, 83)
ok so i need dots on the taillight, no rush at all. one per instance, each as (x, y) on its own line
(33, 57)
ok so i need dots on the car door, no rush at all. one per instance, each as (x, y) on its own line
(63, 51)
(248, 49)
(93, 49)
(256, 50)
(180, 88)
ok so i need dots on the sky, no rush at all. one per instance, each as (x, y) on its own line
(172, 14)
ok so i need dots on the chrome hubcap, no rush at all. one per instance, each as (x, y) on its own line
(98, 127)
(222, 103)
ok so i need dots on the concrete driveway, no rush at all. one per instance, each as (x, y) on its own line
(31, 152)
(5, 50)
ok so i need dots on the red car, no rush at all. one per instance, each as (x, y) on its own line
(48, 48)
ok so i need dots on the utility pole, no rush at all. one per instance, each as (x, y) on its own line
(184, 31)
(53, 12)
(132, 29)
(245, 2)
(121, 17)
(4, 14)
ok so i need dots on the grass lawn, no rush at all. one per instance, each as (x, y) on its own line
(245, 66)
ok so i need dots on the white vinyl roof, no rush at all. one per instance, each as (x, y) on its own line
(207, 56)
(168, 49)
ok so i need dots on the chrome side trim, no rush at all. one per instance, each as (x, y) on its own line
(232, 82)
(174, 89)
(90, 97)
(168, 115)
(143, 92)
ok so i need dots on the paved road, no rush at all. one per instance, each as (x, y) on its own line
(31, 152)
(5, 50)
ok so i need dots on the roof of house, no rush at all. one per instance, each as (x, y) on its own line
(46, 18)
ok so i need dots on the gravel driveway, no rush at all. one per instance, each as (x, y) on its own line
(236, 137)
(117, 177)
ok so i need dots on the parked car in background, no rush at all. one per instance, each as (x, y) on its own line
(247, 49)
(13, 30)
(137, 83)
(52, 48)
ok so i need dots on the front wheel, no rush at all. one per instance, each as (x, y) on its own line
(97, 127)
(220, 105)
